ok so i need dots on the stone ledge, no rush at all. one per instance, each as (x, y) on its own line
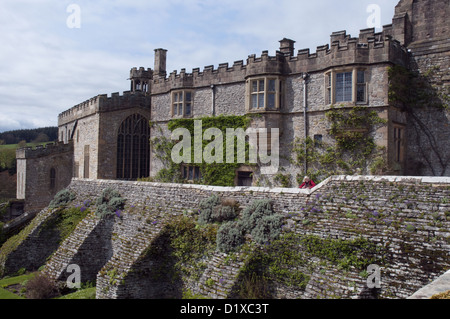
(238, 189)
(440, 285)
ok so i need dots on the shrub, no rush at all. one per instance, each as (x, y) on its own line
(229, 237)
(214, 210)
(206, 209)
(109, 202)
(223, 213)
(63, 198)
(41, 287)
(267, 229)
(255, 212)
(258, 219)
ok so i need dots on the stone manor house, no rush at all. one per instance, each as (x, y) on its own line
(107, 137)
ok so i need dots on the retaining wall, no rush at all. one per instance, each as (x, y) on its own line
(408, 217)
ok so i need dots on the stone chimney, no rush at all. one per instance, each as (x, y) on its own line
(287, 47)
(160, 62)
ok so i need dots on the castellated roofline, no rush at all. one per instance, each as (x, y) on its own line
(105, 103)
(369, 47)
(141, 73)
(43, 151)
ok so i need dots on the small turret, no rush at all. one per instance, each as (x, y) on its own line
(141, 80)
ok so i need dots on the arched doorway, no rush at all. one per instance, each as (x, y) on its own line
(133, 148)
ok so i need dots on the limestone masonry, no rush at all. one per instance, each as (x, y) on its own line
(291, 91)
(388, 188)
(407, 217)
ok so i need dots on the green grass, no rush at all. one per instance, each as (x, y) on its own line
(5, 294)
(15, 146)
(6, 282)
(88, 293)
(8, 154)
(15, 280)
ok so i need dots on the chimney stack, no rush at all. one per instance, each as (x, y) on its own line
(160, 62)
(287, 47)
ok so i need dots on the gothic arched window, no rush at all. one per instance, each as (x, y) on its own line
(133, 148)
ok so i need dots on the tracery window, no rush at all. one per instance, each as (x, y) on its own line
(133, 148)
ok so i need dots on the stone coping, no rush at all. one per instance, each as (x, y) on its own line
(440, 285)
(342, 178)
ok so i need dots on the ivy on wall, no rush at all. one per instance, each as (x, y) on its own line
(354, 149)
(216, 174)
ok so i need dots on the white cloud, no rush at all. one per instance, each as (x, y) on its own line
(46, 67)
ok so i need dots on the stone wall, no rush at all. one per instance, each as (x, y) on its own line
(407, 217)
(37, 185)
(429, 128)
(85, 141)
(109, 124)
(31, 247)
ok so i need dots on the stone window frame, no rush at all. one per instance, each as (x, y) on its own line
(399, 135)
(182, 108)
(318, 140)
(186, 171)
(265, 93)
(243, 170)
(357, 85)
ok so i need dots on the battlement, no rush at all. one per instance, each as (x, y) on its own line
(43, 151)
(369, 47)
(141, 73)
(83, 109)
(104, 103)
(121, 102)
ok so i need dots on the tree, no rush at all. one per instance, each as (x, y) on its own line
(42, 138)
(22, 143)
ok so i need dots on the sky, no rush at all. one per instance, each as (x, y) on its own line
(55, 54)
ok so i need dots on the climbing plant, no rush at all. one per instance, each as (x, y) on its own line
(216, 174)
(353, 151)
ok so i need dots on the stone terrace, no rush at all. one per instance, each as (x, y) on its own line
(408, 216)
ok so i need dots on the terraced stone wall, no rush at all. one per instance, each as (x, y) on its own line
(408, 219)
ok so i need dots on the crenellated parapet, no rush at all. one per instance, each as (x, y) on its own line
(105, 103)
(141, 73)
(117, 102)
(368, 48)
(81, 110)
(44, 151)
(200, 78)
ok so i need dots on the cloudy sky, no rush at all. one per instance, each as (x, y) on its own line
(55, 54)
